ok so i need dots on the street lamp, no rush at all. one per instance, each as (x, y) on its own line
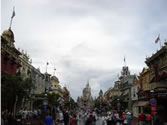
(118, 105)
(15, 104)
(45, 103)
(152, 93)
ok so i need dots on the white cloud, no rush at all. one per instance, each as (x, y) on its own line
(86, 39)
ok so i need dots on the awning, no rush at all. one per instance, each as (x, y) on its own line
(141, 103)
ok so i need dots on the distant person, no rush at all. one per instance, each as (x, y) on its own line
(156, 120)
(66, 117)
(49, 119)
(142, 119)
(128, 117)
(109, 118)
(148, 119)
(75, 119)
(113, 119)
(60, 117)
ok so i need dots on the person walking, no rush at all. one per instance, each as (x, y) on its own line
(75, 119)
(60, 118)
(156, 120)
(148, 119)
(49, 119)
(128, 117)
(142, 119)
(109, 119)
(66, 117)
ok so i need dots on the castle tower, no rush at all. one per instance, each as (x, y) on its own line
(86, 99)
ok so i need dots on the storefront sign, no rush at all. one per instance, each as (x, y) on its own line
(160, 89)
(159, 94)
(153, 105)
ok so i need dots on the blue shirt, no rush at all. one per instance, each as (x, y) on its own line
(48, 120)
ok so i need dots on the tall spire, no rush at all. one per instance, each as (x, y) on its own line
(87, 86)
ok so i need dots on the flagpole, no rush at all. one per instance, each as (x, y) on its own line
(12, 18)
(10, 23)
(124, 61)
(46, 67)
(54, 72)
(160, 43)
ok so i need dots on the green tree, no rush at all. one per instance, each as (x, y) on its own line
(53, 99)
(115, 100)
(12, 87)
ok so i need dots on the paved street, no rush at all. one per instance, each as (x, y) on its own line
(98, 121)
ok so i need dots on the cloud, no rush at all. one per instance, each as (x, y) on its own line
(87, 39)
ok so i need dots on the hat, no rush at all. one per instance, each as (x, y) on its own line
(128, 113)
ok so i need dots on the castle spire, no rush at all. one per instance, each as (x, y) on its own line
(87, 86)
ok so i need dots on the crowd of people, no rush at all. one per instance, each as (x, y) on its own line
(81, 116)
(117, 118)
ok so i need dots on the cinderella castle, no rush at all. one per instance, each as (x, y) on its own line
(86, 99)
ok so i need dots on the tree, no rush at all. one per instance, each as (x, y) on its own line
(14, 88)
(53, 99)
(114, 101)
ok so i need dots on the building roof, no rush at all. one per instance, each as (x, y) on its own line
(54, 78)
(157, 54)
(8, 34)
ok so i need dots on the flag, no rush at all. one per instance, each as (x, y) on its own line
(47, 63)
(54, 68)
(13, 14)
(158, 38)
(124, 59)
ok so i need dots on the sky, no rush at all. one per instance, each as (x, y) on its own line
(87, 39)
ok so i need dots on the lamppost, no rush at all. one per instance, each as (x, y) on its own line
(45, 103)
(15, 104)
(32, 101)
(118, 105)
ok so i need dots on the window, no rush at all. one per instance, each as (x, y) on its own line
(134, 95)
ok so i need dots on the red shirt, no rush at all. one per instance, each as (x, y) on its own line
(148, 116)
(142, 117)
(123, 116)
(71, 122)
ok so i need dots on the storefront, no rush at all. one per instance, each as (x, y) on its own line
(138, 107)
(160, 94)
